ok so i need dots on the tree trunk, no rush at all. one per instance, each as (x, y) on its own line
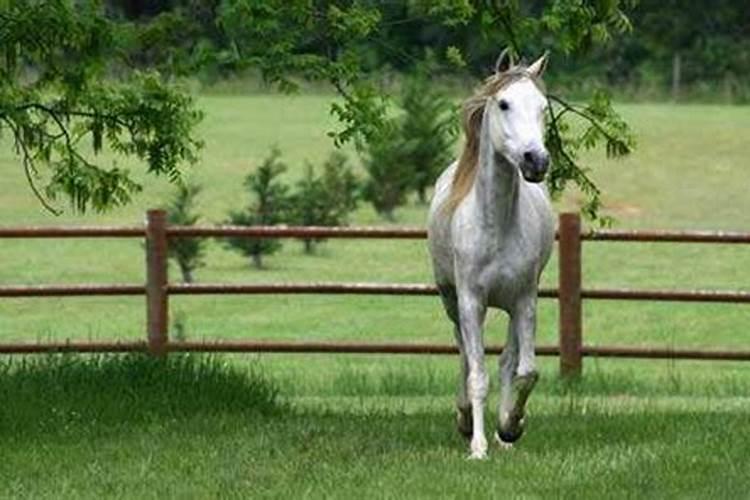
(309, 246)
(422, 192)
(257, 259)
(187, 274)
(676, 75)
(388, 214)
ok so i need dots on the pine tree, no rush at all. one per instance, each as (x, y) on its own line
(428, 129)
(188, 252)
(391, 176)
(341, 187)
(268, 206)
(324, 200)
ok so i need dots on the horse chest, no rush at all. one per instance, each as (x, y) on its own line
(501, 269)
(506, 268)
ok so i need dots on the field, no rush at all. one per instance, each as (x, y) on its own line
(377, 426)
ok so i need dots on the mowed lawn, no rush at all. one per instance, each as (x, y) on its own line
(378, 426)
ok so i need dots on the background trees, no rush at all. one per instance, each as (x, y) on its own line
(324, 199)
(80, 77)
(60, 108)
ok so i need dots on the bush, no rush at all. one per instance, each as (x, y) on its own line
(269, 203)
(187, 252)
(391, 176)
(326, 200)
(414, 148)
(428, 130)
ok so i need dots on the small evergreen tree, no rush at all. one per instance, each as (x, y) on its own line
(341, 187)
(308, 205)
(187, 252)
(268, 206)
(428, 129)
(326, 200)
(391, 176)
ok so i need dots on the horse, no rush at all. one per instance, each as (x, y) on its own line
(490, 234)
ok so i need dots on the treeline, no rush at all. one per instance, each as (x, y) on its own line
(675, 48)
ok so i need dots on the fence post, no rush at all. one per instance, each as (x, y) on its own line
(157, 304)
(571, 362)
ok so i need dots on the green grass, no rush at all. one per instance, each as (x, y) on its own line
(198, 427)
(378, 426)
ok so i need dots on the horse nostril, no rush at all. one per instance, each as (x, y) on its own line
(528, 156)
(544, 161)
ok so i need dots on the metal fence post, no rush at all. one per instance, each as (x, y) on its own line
(157, 304)
(571, 362)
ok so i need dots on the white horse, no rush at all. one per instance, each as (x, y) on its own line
(491, 231)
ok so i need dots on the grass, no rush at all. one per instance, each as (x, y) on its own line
(132, 427)
(376, 426)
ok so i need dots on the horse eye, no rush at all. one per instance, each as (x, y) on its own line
(504, 105)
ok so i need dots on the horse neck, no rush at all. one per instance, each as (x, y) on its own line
(497, 183)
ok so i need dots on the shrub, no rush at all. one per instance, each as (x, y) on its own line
(324, 200)
(414, 148)
(187, 252)
(268, 205)
(391, 176)
(428, 130)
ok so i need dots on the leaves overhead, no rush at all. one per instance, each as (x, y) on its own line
(58, 105)
(325, 41)
(61, 110)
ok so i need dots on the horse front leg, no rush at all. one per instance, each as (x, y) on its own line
(463, 406)
(508, 365)
(518, 380)
(464, 421)
(472, 312)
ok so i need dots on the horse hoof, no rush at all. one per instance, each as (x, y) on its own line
(504, 445)
(509, 436)
(477, 455)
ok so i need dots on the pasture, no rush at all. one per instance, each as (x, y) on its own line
(377, 426)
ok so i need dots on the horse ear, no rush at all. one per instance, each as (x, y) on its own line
(537, 67)
(504, 61)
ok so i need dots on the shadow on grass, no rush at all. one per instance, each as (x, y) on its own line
(52, 393)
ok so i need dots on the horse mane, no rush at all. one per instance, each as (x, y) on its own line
(472, 113)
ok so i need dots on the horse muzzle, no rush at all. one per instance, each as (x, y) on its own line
(535, 165)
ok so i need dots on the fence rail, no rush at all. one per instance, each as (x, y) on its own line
(321, 288)
(403, 233)
(157, 290)
(362, 348)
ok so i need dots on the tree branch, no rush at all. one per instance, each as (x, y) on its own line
(73, 113)
(567, 107)
(28, 166)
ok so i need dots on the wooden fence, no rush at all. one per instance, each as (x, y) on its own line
(157, 290)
